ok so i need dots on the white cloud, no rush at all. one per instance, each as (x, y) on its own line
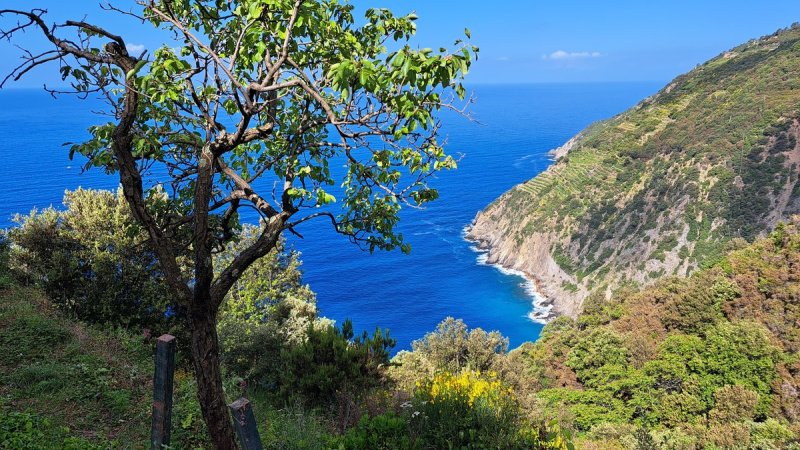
(135, 49)
(563, 55)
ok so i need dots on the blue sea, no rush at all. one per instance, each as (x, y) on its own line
(515, 127)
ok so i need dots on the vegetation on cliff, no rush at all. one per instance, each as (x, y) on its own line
(664, 187)
(704, 362)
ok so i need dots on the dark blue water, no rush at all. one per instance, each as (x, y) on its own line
(409, 294)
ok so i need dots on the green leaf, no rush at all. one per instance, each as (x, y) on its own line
(131, 73)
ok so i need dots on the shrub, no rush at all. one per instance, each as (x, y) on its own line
(6, 279)
(472, 410)
(771, 434)
(268, 308)
(24, 430)
(598, 357)
(452, 347)
(331, 368)
(733, 404)
(383, 432)
(92, 261)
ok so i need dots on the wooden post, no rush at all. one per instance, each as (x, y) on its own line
(245, 423)
(162, 391)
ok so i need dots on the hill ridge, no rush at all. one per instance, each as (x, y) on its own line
(662, 188)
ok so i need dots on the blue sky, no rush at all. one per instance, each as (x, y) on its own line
(532, 41)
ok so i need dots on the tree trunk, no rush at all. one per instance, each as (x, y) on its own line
(206, 362)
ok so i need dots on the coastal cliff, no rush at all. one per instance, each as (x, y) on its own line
(664, 188)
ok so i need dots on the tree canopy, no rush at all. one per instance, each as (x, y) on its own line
(248, 92)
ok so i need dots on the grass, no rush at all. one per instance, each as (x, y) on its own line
(63, 384)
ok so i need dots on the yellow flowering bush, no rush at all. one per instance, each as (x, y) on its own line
(469, 386)
(471, 409)
(466, 410)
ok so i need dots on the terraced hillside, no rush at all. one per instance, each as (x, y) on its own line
(663, 188)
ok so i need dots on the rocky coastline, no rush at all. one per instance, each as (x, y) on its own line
(532, 260)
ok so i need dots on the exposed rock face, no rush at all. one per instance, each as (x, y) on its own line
(533, 258)
(661, 189)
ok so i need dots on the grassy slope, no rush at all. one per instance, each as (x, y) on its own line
(662, 188)
(68, 383)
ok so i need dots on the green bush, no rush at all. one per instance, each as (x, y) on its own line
(92, 262)
(6, 278)
(473, 410)
(27, 431)
(268, 308)
(383, 432)
(332, 367)
(452, 347)
(598, 357)
(733, 404)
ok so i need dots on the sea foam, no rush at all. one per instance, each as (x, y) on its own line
(542, 309)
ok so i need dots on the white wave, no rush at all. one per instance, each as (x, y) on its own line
(542, 309)
(423, 233)
(522, 160)
(482, 258)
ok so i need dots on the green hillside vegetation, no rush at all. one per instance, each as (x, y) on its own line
(77, 337)
(662, 188)
(66, 385)
(705, 362)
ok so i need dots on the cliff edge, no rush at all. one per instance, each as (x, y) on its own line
(663, 188)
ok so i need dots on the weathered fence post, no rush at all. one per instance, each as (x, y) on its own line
(245, 423)
(162, 391)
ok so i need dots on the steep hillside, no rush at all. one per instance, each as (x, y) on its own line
(662, 188)
(708, 361)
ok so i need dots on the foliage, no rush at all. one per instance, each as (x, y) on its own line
(267, 308)
(383, 432)
(330, 363)
(91, 261)
(6, 277)
(598, 354)
(451, 348)
(23, 430)
(263, 291)
(707, 361)
(733, 403)
(472, 410)
(466, 410)
(291, 427)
